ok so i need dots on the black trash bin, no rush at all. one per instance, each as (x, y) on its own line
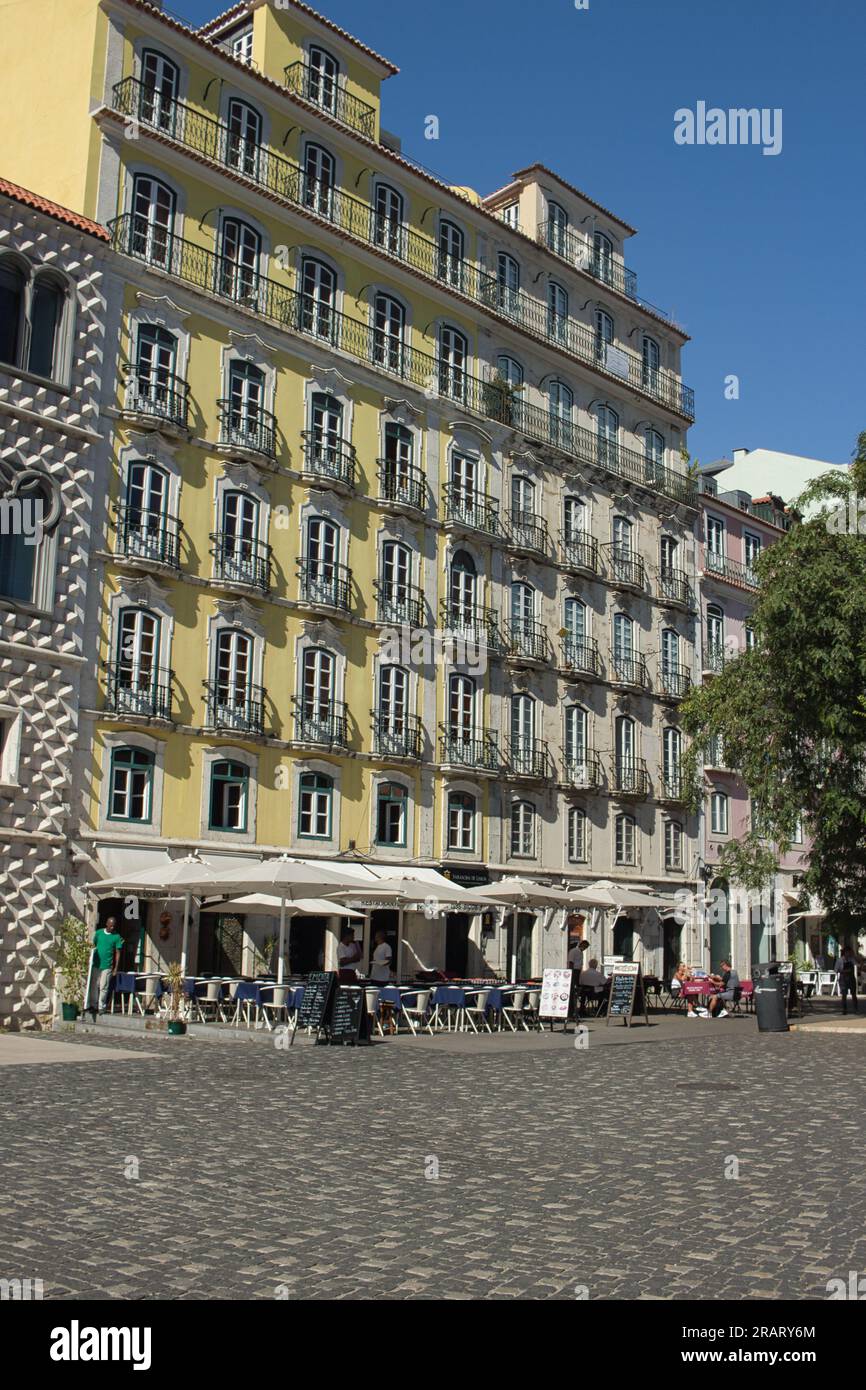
(771, 990)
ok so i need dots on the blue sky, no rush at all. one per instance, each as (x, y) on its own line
(761, 258)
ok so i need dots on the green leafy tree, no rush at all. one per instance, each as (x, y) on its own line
(791, 712)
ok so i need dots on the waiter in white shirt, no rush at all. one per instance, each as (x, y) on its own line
(380, 970)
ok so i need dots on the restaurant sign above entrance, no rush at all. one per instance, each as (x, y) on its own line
(464, 876)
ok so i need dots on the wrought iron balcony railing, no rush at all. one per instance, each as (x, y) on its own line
(324, 582)
(397, 735)
(528, 641)
(674, 586)
(460, 749)
(713, 658)
(252, 430)
(336, 462)
(629, 670)
(629, 777)
(732, 571)
(474, 624)
(564, 243)
(138, 690)
(145, 534)
(326, 93)
(477, 511)
(583, 772)
(529, 757)
(213, 274)
(527, 531)
(675, 679)
(236, 708)
(399, 603)
(714, 752)
(238, 560)
(403, 483)
(287, 181)
(580, 655)
(672, 786)
(323, 723)
(159, 396)
(578, 550)
(625, 566)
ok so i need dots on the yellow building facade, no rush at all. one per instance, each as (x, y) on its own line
(398, 556)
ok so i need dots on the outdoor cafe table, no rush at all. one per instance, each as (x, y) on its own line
(698, 989)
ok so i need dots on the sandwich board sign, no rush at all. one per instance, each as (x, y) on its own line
(555, 994)
(625, 982)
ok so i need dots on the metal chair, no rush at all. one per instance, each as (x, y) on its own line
(512, 1011)
(479, 1009)
(416, 1009)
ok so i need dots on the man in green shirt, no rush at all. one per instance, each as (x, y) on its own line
(107, 945)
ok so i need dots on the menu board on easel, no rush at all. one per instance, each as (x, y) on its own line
(555, 994)
(316, 1001)
(626, 993)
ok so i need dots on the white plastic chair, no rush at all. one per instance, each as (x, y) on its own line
(371, 1003)
(147, 999)
(417, 1012)
(210, 1003)
(533, 1004)
(514, 1009)
(479, 1010)
(276, 1005)
(827, 979)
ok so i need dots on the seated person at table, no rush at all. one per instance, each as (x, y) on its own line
(348, 957)
(728, 982)
(682, 975)
(592, 977)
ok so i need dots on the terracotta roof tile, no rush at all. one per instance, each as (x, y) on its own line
(72, 219)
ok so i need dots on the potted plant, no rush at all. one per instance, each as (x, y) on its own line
(72, 963)
(174, 980)
(263, 964)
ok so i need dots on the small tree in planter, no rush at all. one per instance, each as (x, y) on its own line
(72, 962)
(264, 957)
(174, 980)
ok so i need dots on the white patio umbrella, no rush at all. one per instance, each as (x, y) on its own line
(515, 892)
(293, 880)
(606, 893)
(418, 890)
(273, 907)
(189, 875)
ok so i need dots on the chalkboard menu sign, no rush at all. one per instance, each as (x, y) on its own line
(318, 989)
(626, 993)
(348, 1020)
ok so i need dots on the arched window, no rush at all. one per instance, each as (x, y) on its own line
(152, 220)
(229, 795)
(575, 525)
(715, 653)
(673, 844)
(135, 678)
(243, 137)
(461, 708)
(577, 836)
(557, 229)
(576, 631)
(320, 176)
(523, 492)
(239, 556)
(654, 453)
(315, 806)
(157, 388)
(607, 424)
(392, 800)
(523, 602)
(602, 258)
(245, 405)
(575, 744)
(318, 681)
(561, 406)
(523, 830)
(508, 280)
(240, 250)
(324, 79)
(509, 371)
(21, 571)
(232, 688)
(719, 813)
(623, 638)
(320, 574)
(451, 244)
(395, 594)
(557, 312)
(143, 516)
(160, 84)
(389, 327)
(327, 430)
(603, 334)
(46, 317)
(130, 786)
(672, 745)
(318, 299)
(13, 281)
(391, 712)
(388, 220)
(453, 354)
(624, 753)
(624, 840)
(462, 590)
(461, 821)
(523, 720)
(651, 358)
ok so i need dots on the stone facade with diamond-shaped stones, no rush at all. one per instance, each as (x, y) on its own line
(54, 391)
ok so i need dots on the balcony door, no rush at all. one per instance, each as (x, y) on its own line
(670, 652)
(464, 479)
(715, 544)
(607, 425)
(389, 328)
(323, 553)
(145, 513)
(461, 709)
(319, 180)
(624, 750)
(388, 222)
(396, 574)
(671, 759)
(233, 677)
(324, 77)
(155, 362)
(327, 422)
(238, 266)
(239, 537)
(318, 299)
(160, 81)
(450, 254)
(576, 742)
(317, 695)
(393, 696)
(602, 258)
(715, 630)
(623, 642)
(522, 725)
(137, 660)
(522, 607)
(246, 395)
(453, 351)
(399, 455)
(243, 138)
(153, 205)
(463, 588)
